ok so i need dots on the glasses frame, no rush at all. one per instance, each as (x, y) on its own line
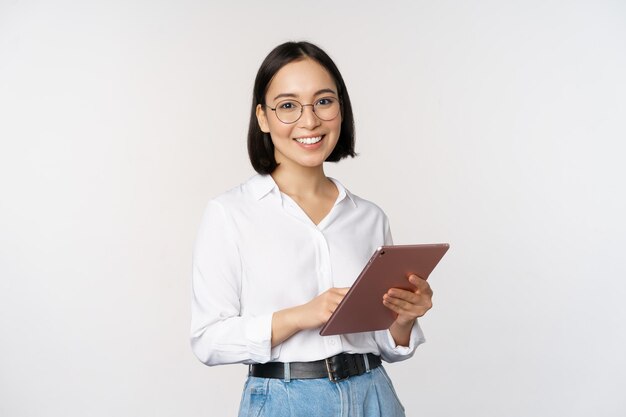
(302, 106)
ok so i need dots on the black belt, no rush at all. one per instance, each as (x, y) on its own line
(335, 368)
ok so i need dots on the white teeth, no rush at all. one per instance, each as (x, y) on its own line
(309, 141)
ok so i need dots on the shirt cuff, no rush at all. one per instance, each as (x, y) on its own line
(391, 352)
(258, 333)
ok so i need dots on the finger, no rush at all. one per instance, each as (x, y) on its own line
(405, 308)
(399, 302)
(392, 307)
(406, 295)
(339, 295)
(338, 291)
(334, 293)
(421, 284)
(412, 302)
(331, 306)
(334, 299)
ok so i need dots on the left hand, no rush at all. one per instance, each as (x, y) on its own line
(409, 305)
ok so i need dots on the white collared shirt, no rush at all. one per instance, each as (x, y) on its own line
(257, 252)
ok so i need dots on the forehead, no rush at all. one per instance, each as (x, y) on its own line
(301, 78)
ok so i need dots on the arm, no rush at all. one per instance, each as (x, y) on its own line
(315, 313)
(402, 338)
(219, 334)
(408, 305)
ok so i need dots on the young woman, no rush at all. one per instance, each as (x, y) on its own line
(275, 255)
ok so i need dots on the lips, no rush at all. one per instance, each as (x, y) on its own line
(311, 140)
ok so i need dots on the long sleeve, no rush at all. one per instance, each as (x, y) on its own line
(219, 333)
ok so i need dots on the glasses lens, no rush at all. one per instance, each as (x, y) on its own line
(327, 108)
(288, 111)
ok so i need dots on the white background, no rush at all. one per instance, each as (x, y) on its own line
(497, 126)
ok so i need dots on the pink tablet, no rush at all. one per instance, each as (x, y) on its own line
(362, 309)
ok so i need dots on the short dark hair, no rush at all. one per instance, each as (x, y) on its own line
(260, 146)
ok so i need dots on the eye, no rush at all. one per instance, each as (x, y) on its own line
(287, 105)
(325, 102)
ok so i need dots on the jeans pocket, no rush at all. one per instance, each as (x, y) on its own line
(253, 397)
(389, 384)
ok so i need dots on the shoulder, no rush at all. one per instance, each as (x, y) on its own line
(220, 207)
(362, 205)
(223, 212)
(242, 194)
(365, 204)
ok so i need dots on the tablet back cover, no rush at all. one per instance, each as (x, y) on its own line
(362, 308)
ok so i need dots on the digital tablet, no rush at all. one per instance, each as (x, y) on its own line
(362, 309)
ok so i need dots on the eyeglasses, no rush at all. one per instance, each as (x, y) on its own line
(290, 111)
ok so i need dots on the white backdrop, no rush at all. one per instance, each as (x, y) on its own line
(497, 126)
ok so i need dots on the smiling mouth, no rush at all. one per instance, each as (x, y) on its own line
(309, 141)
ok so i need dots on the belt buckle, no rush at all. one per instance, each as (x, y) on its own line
(332, 374)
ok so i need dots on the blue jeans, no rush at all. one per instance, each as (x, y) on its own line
(368, 395)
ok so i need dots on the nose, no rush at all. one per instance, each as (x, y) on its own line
(309, 119)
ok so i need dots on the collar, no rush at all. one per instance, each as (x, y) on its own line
(263, 185)
(343, 192)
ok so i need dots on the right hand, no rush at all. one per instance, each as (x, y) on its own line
(316, 312)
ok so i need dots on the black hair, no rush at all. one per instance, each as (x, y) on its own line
(260, 146)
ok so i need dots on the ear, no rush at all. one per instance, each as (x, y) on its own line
(261, 118)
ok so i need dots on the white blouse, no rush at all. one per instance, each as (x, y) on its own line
(257, 252)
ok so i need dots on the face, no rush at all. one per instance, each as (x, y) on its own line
(310, 140)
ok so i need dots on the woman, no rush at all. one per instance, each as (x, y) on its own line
(275, 255)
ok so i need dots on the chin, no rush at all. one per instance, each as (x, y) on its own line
(310, 164)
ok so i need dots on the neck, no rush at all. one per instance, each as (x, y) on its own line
(300, 181)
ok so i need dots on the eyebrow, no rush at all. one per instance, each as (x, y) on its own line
(291, 95)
